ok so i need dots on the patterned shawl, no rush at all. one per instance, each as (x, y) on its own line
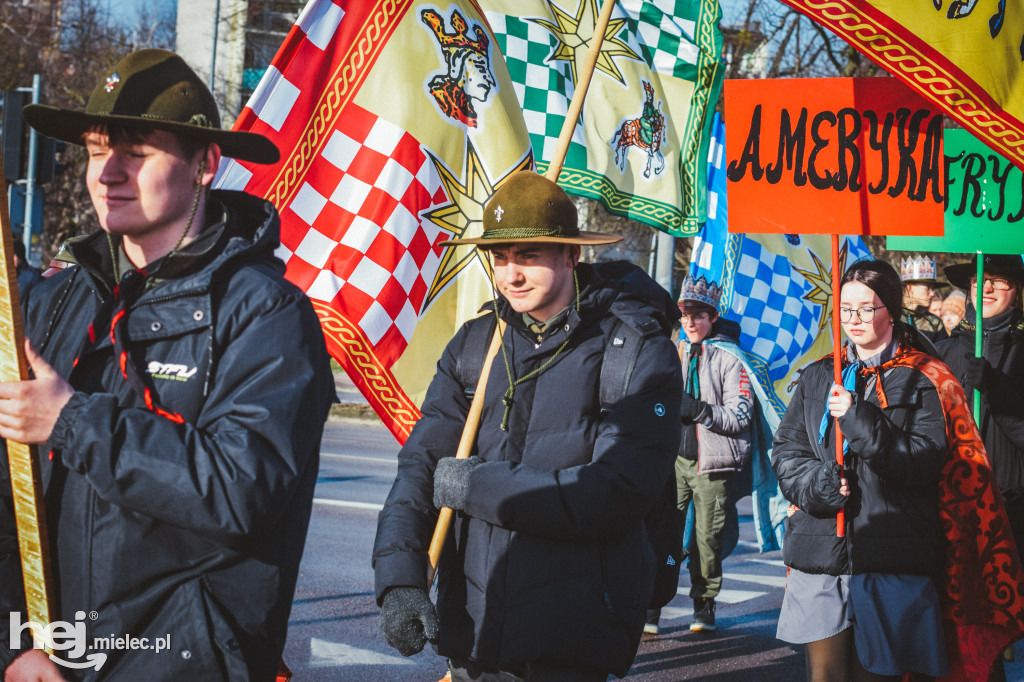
(983, 595)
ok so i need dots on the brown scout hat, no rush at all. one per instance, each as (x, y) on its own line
(531, 208)
(152, 89)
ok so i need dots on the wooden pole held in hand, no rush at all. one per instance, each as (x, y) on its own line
(469, 431)
(26, 479)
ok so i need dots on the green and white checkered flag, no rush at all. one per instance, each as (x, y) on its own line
(641, 144)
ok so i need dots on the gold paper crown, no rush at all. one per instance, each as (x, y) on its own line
(450, 42)
(700, 290)
(917, 268)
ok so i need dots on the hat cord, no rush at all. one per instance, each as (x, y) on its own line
(509, 398)
(195, 203)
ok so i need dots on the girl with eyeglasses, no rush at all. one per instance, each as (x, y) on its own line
(866, 605)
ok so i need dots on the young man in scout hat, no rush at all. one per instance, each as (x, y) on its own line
(181, 385)
(547, 571)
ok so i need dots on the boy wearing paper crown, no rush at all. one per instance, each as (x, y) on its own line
(716, 412)
(547, 571)
(179, 393)
(919, 290)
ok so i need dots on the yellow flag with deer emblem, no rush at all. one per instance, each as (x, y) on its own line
(641, 145)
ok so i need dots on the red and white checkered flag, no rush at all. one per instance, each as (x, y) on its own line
(395, 120)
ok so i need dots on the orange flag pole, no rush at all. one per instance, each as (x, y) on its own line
(837, 375)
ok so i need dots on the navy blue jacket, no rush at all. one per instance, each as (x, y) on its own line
(550, 561)
(191, 529)
(893, 464)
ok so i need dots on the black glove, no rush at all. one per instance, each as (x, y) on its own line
(451, 481)
(691, 408)
(407, 619)
(826, 482)
(979, 373)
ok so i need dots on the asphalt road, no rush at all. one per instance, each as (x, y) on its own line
(333, 631)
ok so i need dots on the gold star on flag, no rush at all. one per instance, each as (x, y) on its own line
(463, 216)
(822, 283)
(574, 34)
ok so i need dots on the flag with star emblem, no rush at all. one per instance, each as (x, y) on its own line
(396, 121)
(965, 56)
(641, 143)
(778, 289)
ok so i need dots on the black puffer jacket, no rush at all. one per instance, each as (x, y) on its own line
(893, 463)
(550, 560)
(195, 529)
(1002, 395)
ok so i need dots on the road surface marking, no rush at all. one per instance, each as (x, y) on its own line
(323, 654)
(347, 503)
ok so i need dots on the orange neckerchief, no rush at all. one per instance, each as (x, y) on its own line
(983, 595)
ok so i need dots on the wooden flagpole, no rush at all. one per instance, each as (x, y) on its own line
(576, 106)
(26, 478)
(469, 432)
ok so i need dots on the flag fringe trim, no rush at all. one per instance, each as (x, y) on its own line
(347, 344)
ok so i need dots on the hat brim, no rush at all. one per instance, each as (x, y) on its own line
(70, 126)
(584, 238)
(959, 274)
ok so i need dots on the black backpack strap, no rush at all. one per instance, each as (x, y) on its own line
(617, 367)
(471, 360)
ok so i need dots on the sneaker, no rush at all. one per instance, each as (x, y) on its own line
(651, 624)
(703, 615)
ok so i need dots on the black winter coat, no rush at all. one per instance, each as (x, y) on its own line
(1002, 395)
(195, 529)
(893, 464)
(550, 561)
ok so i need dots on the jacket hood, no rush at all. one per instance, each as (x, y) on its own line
(629, 292)
(726, 330)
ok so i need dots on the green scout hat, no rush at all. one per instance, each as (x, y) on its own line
(531, 208)
(153, 89)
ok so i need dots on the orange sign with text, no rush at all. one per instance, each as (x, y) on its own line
(852, 156)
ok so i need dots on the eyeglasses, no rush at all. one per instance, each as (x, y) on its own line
(997, 283)
(696, 317)
(864, 314)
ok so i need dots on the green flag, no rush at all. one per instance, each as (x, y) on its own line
(641, 145)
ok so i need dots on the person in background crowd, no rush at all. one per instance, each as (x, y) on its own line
(919, 290)
(716, 413)
(847, 598)
(28, 276)
(548, 571)
(180, 390)
(935, 307)
(954, 307)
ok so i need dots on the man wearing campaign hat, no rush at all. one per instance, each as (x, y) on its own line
(180, 388)
(547, 572)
